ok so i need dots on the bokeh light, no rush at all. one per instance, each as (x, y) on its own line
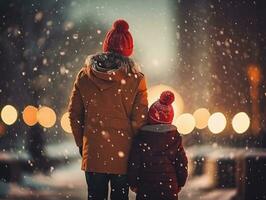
(217, 122)
(9, 114)
(254, 74)
(30, 115)
(241, 122)
(201, 116)
(46, 117)
(121, 154)
(185, 123)
(155, 92)
(65, 123)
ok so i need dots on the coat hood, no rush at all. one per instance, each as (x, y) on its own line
(105, 69)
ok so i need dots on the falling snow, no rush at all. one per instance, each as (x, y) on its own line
(212, 53)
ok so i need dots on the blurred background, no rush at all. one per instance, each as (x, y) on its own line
(210, 53)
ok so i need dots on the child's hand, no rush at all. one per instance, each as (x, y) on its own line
(134, 189)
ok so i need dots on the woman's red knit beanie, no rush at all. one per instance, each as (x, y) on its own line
(119, 39)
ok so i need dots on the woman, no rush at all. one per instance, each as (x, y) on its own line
(107, 107)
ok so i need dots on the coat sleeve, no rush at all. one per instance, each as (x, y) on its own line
(134, 165)
(140, 107)
(76, 113)
(181, 165)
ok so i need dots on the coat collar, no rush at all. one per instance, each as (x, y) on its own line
(158, 128)
(106, 69)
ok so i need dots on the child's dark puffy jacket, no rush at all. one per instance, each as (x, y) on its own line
(157, 163)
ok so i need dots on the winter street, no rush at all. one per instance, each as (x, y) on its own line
(165, 97)
(67, 181)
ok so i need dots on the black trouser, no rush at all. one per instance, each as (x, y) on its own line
(98, 186)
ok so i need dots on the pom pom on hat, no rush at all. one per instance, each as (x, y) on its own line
(121, 25)
(167, 98)
(119, 39)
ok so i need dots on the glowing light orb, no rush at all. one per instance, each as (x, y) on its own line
(65, 123)
(241, 122)
(9, 115)
(201, 116)
(217, 122)
(29, 115)
(121, 154)
(46, 117)
(155, 92)
(185, 123)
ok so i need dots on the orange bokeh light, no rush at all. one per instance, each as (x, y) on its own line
(65, 123)
(254, 74)
(46, 117)
(30, 115)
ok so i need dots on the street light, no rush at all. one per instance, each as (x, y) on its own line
(241, 122)
(9, 114)
(29, 115)
(185, 123)
(201, 116)
(46, 117)
(65, 123)
(217, 122)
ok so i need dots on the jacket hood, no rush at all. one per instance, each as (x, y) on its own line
(105, 69)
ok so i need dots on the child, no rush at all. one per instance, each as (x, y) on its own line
(158, 163)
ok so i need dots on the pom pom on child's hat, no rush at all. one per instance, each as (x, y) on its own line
(161, 111)
(118, 39)
(121, 25)
(167, 98)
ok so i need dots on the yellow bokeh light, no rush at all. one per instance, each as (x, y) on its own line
(155, 92)
(65, 123)
(185, 123)
(201, 116)
(9, 115)
(241, 122)
(46, 117)
(30, 115)
(217, 122)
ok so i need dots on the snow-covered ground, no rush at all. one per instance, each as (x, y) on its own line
(65, 180)
(68, 182)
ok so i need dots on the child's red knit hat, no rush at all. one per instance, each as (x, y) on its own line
(161, 111)
(119, 39)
